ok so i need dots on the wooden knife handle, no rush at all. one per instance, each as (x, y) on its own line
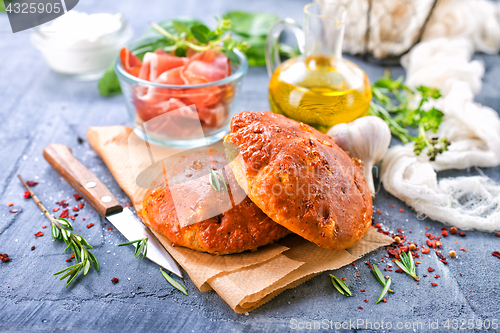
(81, 179)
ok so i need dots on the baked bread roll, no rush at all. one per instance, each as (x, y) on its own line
(300, 178)
(219, 222)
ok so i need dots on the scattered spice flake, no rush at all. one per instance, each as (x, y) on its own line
(10, 204)
(80, 140)
(444, 233)
(462, 234)
(430, 269)
(83, 218)
(425, 275)
(427, 234)
(72, 217)
(456, 242)
(13, 211)
(440, 255)
(359, 307)
(64, 214)
(44, 226)
(357, 275)
(392, 206)
(4, 257)
(436, 276)
(462, 249)
(453, 230)
(496, 235)
(33, 248)
(31, 183)
(425, 250)
(434, 284)
(72, 256)
(114, 280)
(343, 279)
(75, 209)
(354, 264)
(460, 274)
(90, 225)
(39, 234)
(63, 204)
(68, 260)
(369, 265)
(77, 196)
(496, 254)
(444, 262)
(378, 225)
(55, 209)
(81, 205)
(366, 301)
(362, 290)
(110, 228)
(401, 211)
(399, 270)
(379, 212)
(384, 300)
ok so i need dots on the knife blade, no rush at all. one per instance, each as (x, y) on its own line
(102, 200)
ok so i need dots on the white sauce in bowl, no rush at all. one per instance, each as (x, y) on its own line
(81, 44)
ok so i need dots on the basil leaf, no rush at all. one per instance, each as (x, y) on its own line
(109, 83)
(200, 32)
(251, 24)
(180, 27)
(231, 56)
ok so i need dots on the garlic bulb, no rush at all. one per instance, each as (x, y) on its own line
(366, 138)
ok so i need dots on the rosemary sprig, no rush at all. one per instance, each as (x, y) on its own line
(215, 179)
(407, 264)
(340, 286)
(62, 229)
(386, 288)
(174, 283)
(141, 247)
(380, 278)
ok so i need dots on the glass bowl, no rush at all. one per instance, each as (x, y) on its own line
(78, 57)
(182, 116)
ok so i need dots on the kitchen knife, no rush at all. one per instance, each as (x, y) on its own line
(98, 195)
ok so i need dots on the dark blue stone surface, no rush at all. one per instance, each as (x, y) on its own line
(39, 107)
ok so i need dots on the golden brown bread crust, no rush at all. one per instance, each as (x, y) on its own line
(241, 228)
(300, 178)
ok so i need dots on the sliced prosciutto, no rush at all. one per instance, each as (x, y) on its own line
(130, 62)
(210, 102)
(159, 62)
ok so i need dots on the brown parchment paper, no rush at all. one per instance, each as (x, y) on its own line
(245, 281)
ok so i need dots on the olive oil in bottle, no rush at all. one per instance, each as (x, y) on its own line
(320, 91)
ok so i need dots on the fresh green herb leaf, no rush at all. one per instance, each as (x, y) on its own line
(403, 113)
(180, 27)
(174, 283)
(380, 278)
(141, 247)
(340, 286)
(384, 291)
(249, 24)
(201, 32)
(407, 264)
(109, 83)
(215, 179)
